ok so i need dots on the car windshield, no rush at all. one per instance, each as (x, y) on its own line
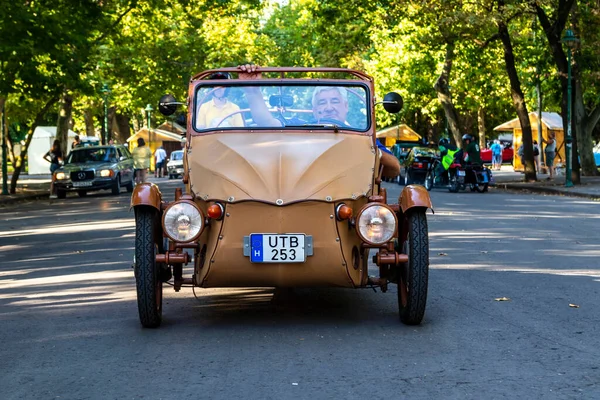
(177, 155)
(281, 106)
(92, 154)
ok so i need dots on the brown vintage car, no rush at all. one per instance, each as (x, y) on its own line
(282, 189)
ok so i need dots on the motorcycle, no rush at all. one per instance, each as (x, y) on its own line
(477, 177)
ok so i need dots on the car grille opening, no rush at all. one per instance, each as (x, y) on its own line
(82, 175)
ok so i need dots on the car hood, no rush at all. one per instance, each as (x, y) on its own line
(96, 166)
(175, 163)
(281, 168)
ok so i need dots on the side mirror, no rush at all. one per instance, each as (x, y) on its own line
(392, 102)
(167, 105)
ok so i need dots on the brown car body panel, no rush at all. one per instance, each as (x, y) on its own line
(147, 194)
(330, 265)
(281, 168)
(414, 196)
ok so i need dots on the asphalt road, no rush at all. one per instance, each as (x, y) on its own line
(69, 327)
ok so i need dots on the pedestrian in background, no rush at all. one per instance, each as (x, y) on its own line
(141, 161)
(160, 155)
(550, 153)
(496, 148)
(536, 156)
(55, 157)
(76, 142)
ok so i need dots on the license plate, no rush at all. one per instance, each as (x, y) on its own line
(461, 173)
(273, 248)
(82, 184)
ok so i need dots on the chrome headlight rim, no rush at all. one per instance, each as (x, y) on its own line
(202, 219)
(357, 224)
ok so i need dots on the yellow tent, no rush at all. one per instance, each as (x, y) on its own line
(156, 138)
(551, 122)
(397, 132)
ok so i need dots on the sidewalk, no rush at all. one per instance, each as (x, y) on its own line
(507, 179)
(38, 186)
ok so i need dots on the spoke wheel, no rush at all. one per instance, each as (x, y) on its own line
(429, 181)
(414, 275)
(147, 274)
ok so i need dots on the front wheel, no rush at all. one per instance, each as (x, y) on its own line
(414, 275)
(116, 186)
(429, 180)
(147, 274)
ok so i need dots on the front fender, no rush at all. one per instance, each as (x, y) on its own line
(414, 196)
(146, 194)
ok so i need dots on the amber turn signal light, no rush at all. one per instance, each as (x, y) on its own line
(215, 211)
(343, 212)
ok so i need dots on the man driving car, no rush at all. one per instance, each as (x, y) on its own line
(330, 105)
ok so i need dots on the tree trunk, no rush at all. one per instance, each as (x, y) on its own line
(20, 161)
(123, 128)
(517, 97)
(111, 124)
(444, 95)
(88, 117)
(481, 127)
(64, 118)
(585, 146)
(553, 31)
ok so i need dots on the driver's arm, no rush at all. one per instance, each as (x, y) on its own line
(258, 108)
(391, 165)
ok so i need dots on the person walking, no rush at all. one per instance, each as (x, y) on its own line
(141, 161)
(55, 157)
(550, 153)
(496, 148)
(160, 155)
(536, 156)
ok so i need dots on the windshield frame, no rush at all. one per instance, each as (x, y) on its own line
(368, 130)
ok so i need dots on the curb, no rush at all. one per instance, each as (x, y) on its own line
(20, 198)
(546, 190)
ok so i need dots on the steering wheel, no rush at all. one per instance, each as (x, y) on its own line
(332, 121)
(231, 115)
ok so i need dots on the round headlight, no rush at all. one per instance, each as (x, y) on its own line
(183, 221)
(376, 224)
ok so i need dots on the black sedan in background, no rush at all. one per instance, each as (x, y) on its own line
(95, 168)
(417, 163)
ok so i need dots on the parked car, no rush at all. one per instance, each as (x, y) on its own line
(597, 154)
(175, 164)
(507, 155)
(289, 195)
(93, 168)
(418, 163)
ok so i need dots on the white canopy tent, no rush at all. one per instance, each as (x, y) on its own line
(42, 140)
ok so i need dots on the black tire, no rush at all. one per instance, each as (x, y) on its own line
(147, 274)
(481, 188)
(61, 194)
(116, 186)
(453, 184)
(81, 193)
(130, 186)
(407, 179)
(428, 181)
(414, 275)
